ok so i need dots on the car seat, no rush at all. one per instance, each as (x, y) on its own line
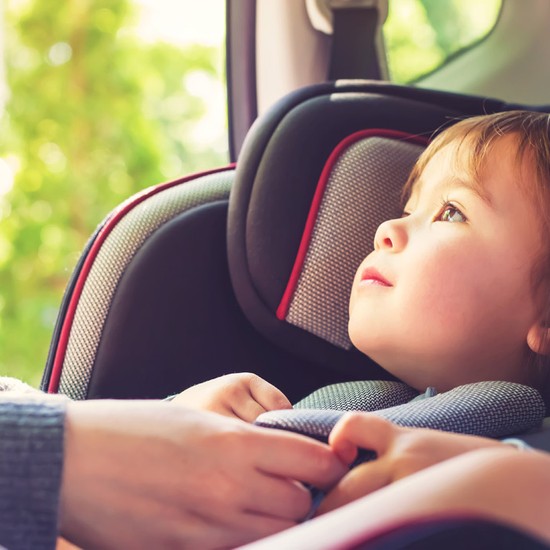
(249, 267)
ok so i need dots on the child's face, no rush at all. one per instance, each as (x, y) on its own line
(446, 298)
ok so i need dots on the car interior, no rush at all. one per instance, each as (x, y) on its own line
(248, 267)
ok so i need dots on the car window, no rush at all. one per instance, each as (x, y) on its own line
(421, 35)
(99, 100)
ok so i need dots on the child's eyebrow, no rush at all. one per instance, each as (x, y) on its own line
(472, 186)
(448, 184)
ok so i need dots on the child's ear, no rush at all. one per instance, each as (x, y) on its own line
(538, 339)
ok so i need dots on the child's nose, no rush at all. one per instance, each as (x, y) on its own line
(391, 234)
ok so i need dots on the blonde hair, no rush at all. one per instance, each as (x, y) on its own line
(474, 138)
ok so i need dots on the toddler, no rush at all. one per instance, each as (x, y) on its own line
(455, 291)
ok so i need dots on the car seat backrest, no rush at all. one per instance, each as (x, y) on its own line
(316, 177)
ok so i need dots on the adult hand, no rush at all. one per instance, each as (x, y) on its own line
(241, 395)
(400, 453)
(147, 474)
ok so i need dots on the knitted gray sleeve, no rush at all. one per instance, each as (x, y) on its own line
(31, 461)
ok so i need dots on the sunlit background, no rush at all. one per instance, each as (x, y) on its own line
(184, 23)
(104, 98)
(101, 98)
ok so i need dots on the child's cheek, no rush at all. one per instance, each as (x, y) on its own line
(441, 293)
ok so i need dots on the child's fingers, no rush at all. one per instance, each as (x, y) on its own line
(267, 395)
(247, 409)
(361, 430)
(254, 396)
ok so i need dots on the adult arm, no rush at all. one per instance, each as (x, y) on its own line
(141, 474)
(146, 474)
(31, 458)
(498, 484)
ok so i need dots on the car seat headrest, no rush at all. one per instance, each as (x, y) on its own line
(316, 176)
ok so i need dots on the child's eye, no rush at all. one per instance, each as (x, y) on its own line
(450, 213)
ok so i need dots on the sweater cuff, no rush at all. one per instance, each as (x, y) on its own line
(31, 463)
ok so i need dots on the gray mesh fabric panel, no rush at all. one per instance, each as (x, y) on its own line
(362, 395)
(490, 409)
(117, 251)
(363, 190)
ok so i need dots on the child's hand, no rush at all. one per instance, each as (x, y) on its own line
(401, 452)
(241, 395)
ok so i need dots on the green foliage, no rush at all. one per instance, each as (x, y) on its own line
(94, 115)
(420, 35)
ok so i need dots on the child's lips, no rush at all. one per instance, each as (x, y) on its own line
(371, 276)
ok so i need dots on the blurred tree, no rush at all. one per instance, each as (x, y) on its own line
(410, 41)
(458, 24)
(94, 115)
(421, 35)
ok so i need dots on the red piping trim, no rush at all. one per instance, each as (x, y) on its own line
(290, 289)
(117, 215)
